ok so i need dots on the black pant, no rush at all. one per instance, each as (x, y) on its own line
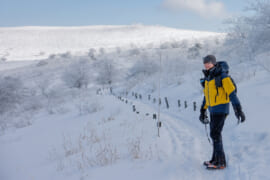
(216, 126)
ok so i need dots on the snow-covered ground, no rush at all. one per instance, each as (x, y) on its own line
(30, 43)
(76, 134)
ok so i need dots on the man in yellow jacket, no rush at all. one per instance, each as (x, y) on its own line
(219, 90)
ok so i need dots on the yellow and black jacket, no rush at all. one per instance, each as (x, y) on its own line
(216, 98)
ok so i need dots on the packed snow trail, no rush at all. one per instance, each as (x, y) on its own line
(189, 145)
(182, 139)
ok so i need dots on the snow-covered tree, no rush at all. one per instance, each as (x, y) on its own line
(194, 51)
(166, 45)
(107, 73)
(92, 53)
(250, 35)
(3, 59)
(10, 93)
(134, 51)
(118, 50)
(66, 55)
(78, 74)
(102, 51)
(143, 68)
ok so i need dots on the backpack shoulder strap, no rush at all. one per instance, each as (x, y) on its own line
(218, 81)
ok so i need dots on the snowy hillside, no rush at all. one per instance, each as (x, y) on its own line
(30, 43)
(59, 119)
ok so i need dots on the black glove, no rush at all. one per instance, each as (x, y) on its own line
(202, 80)
(239, 113)
(203, 116)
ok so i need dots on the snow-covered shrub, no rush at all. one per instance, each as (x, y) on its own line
(134, 51)
(52, 96)
(90, 149)
(78, 74)
(10, 93)
(86, 103)
(52, 56)
(166, 45)
(143, 67)
(92, 53)
(22, 121)
(107, 72)
(66, 55)
(194, 51)
(42, 63)
(102, 51)
(3, 59)
(48, 94)
(135, 148)
(106, 154)
(175, 44)
(118, 50)
(139, 151)
(11, 98)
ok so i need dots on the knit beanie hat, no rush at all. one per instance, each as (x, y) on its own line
(209, 59)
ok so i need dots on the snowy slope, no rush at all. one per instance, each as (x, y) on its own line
(29, 43)
(107, 140)
(36, 151)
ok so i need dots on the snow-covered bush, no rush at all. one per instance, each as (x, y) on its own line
(137, 150)
(118, 50)
(90, 149)
(175, 44)
(66, 55)
(49, 95)
(86, 103)
(52, 56)
(92, 53)
(143, 68)
(107, 72)
(166, 45)
(102, 51)
(194, 51)
(78, 74)
(42, 63)
(134, 51)
(52, 96)
(11, 98)
(3, 59)
(10, 93)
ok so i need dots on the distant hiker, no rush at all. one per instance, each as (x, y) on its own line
(219, 90)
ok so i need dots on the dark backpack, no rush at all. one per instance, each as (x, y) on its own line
(223, 67)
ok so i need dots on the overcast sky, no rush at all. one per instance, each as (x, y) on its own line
(185, 14)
